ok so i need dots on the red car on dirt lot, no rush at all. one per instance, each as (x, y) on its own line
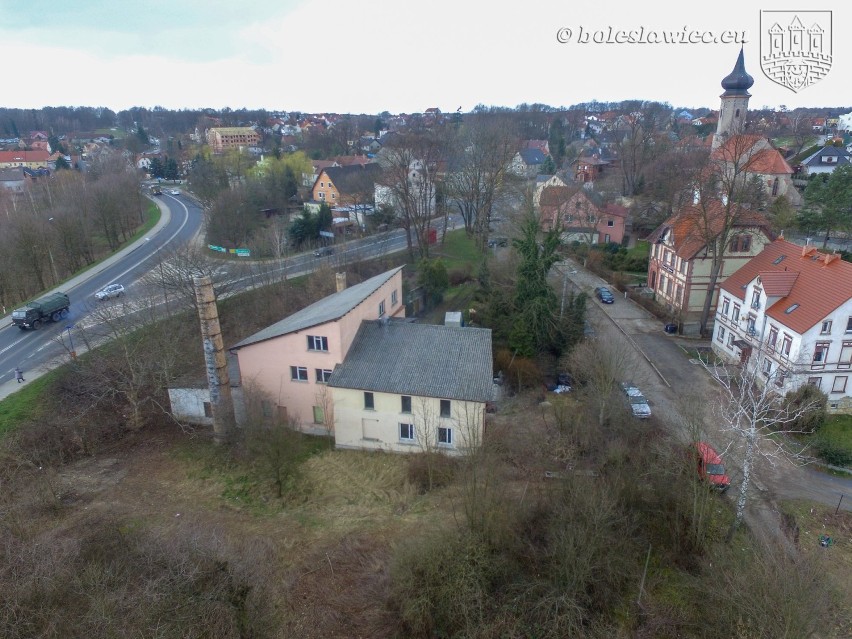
(710, 466)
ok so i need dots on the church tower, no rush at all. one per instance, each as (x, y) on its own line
(732, 113)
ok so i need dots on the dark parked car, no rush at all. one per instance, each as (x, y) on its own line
(494, 242)
(324, 250)
(604, 295)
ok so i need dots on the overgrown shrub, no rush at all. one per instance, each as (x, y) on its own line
(519, 373)
(460, 275)
(832, 452)
(804, 396)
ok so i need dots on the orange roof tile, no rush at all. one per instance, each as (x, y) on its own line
(778, 284)
(692, 225)
(754, 153)
(823, 282)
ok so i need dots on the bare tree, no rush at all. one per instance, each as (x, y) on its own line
(601, 365)
(176, 268)
(752, 412)
(725, 196)
(478, 171)
(410, 166)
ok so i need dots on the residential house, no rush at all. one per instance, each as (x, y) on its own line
(527, 163)
(680, 262)
(826, 160)
(318, 165)
(37, 159)
(581, 216)
(234, 137)
(346, 185)
(13, 179)
(592, 164)
(542, 182)
(541, 145)
(407, 387)
(291, 361)
(788, 312)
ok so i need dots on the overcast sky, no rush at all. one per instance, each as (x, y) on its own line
(367, 56)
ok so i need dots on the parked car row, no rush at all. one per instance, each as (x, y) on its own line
(638, 404)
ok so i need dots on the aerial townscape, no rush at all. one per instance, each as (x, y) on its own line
(504, 372)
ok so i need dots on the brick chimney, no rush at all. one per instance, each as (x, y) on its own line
(340, 281)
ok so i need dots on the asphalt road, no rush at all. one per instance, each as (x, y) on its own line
(673, 382)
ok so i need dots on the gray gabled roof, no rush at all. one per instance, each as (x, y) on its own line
(843, 157)
(532, 157)
(326, 310)
(419, 359)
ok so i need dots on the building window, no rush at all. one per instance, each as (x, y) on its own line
(735, 317)
(731, 340)
(741, 244)
(369, 401)
(610, 222)
(381, 308)
(322, 375)
(208, 409)
(821, 352)
(678, 293)
(265, 408)
(815, 381)
(317, 343)
(786, 344)
(446, 408)
(394, 297)
(826, 327)
(445, 436)
(755, 299)
(334, 196)
(299, 373)
(767, 366)
(849, 325)
(775, 187)
(322, 185)
(845, 360)
(405, 404)
(781, 377)
(406, 432)
(773, 337)
(839, 385)
(720, 336)
(726, 306)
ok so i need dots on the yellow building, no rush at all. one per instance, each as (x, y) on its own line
(234, 137)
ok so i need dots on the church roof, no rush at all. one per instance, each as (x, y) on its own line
(738, 81)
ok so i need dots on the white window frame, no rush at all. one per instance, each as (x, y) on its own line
(735, 314)
(298, 373)
(445, 436)
(720, 335)
(382, 308)
(318, 343)
(322, 375)
(837, 378)
(825, 329)
(394, 297)
(407, 433)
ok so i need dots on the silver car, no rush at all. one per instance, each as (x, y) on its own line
(638, 404)
(108, 292)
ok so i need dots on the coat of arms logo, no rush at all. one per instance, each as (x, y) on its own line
(795, 47)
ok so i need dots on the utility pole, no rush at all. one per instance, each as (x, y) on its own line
(215, 361)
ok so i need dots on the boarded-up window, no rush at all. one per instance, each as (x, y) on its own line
(208, 409)
(370, 429)
(319, 415)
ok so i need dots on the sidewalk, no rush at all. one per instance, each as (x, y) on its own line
(7, 387)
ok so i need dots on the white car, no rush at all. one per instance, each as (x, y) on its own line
(174, 192)
(638, 404)
(113, 290)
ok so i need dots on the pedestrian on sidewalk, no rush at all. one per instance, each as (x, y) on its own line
(19, 374)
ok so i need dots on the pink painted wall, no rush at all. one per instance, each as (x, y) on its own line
(265, 366)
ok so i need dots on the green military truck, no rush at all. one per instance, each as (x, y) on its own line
(53, 307)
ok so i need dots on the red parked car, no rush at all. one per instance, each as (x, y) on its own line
(710, 466)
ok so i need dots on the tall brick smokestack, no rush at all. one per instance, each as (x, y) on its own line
(215, 360)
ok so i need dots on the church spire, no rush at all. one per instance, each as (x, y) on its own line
(738, 81)
(734, 108)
